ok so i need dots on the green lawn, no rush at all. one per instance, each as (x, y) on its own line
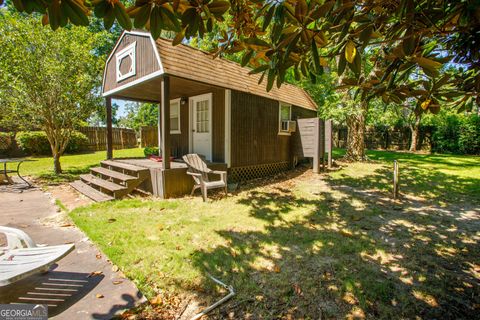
(72, 165)
(309, 246)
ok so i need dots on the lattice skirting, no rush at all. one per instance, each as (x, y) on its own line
(257, 171)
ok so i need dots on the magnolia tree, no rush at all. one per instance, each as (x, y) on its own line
(277, 36)
(49, 80)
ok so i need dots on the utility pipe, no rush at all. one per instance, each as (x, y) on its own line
(219, 302)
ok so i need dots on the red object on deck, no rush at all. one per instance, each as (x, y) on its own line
(158, 158)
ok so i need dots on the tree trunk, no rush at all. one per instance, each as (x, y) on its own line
(415, 128)
(57, 167)
(356, 135)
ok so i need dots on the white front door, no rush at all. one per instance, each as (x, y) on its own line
(201, 125)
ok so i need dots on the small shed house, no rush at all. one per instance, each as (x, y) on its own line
(210, 106)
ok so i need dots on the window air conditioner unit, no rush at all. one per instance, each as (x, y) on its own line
(289, 126)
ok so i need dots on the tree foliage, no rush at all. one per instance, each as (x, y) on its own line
(277, 35)
(389, 50)
(49, 80)
(139, 115)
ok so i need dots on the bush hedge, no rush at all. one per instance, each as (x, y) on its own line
(33, 142)
(78, 142)
(455, 133)
(36, 142)
(150, 151)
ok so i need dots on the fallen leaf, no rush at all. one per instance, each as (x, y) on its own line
(297, 290)
(98, 256)
(350, 298)
(115, 268)
(156, 300)
(111, 220)
(115, 282)
(99, 296)
(95, 273)
(276, 268)
(259, 298)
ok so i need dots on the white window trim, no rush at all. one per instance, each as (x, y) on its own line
(280, 131)
(179, 131)
(129, 50)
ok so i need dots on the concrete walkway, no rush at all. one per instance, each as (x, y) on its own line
(84, 285)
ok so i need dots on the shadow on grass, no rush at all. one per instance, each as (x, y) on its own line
(68, 175)
(430, 184)
(346, 249)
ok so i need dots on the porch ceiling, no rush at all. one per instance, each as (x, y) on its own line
(150, 90)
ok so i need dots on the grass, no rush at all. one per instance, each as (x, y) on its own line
(73, 165)
(309, 246)
(441, 177)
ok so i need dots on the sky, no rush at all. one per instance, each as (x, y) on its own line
(122, 111)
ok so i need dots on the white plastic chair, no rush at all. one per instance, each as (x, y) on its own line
(22, 257)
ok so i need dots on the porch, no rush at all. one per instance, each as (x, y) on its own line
(117, 178)
(167, 183)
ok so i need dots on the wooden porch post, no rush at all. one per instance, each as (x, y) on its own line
(317, 149)
(328, 141)
(108, 104)
(165, 122)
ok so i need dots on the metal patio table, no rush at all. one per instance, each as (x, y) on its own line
(6, 171)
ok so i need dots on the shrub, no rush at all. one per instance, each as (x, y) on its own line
(149, 151)
(36, 142)
(78, 142)
(469, 135)
(457, 134)
(33, 142)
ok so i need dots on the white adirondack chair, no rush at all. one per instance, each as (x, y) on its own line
(197, 168)
(22, 257)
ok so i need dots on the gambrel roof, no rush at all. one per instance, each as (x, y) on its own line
(193, 64)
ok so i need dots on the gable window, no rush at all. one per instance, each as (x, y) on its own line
(285, 115)
(175, 116)
(125, 62)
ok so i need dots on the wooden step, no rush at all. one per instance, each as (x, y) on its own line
(122, 165)
(90, 192)
(104, 184)
(113, 174)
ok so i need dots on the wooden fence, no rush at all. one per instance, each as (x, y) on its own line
(97, 138)
(149, 136)
(385, 138)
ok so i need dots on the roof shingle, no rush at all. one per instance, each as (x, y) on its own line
(194, 64)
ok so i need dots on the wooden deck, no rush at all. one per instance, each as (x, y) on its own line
(169, 183)
(150, 164)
